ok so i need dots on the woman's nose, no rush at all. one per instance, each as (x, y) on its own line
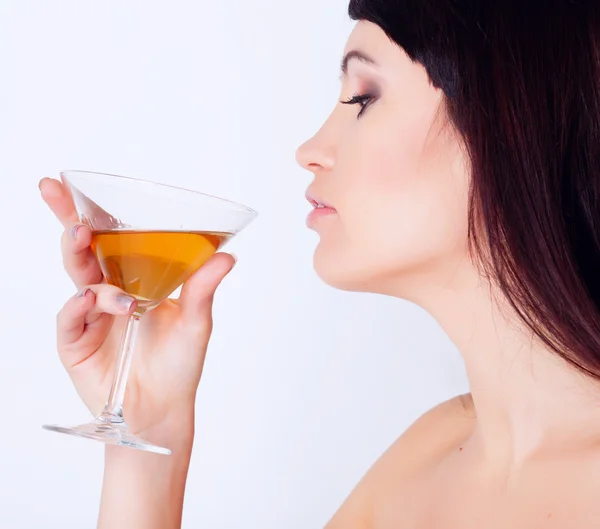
(316, 154)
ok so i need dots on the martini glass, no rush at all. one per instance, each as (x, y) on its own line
(149, 239)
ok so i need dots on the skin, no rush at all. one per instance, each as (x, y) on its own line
(522, 450)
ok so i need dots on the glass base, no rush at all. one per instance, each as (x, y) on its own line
(115, 434)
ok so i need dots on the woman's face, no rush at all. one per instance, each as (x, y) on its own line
(392, 169)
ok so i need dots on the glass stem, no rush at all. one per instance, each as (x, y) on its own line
(113, 411)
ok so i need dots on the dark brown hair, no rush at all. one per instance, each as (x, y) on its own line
(522, 87)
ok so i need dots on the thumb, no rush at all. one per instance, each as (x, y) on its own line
(198, 291)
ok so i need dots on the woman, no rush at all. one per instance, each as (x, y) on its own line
(460, 171)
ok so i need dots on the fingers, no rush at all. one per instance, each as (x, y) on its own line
(71, 319)
(84, 309)
(59, 201)
(198, 291)
(78, 259)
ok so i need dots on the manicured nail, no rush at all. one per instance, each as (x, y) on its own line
(125, 301)
(73, 231)
(82, 292)
(235, 258)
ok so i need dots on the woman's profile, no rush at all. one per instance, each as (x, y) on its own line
(460, 170)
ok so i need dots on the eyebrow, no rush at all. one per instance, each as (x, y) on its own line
(358, 55)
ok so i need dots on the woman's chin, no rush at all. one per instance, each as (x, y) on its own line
(353, 272)
(340, 273)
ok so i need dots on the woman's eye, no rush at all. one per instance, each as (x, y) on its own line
(362, 100)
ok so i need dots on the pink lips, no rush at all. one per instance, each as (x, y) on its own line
(322, 209)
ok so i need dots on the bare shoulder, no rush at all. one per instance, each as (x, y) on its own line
(432, 435)
(428, 440)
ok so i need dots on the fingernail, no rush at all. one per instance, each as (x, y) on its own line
(125, 301)
(73, 231)
(82, 292)
(235, 258)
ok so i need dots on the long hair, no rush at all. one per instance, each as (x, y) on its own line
(522, 87)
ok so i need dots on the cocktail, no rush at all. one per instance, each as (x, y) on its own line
(149, 239)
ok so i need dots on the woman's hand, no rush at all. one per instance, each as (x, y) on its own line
(171, 344)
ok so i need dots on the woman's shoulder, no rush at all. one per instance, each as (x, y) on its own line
(421, 447)
(453, 418)
(430, 438)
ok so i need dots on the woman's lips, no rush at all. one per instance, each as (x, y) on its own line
(321, 210)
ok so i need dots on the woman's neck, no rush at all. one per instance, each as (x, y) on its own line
(529, 402)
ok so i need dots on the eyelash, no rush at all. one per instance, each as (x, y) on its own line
(362, 100)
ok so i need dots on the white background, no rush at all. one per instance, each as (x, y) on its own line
(304, 386)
